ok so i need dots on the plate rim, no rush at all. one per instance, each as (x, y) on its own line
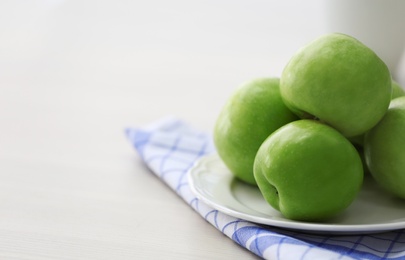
(288, 224)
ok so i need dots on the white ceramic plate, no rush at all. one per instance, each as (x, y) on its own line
(372, 211)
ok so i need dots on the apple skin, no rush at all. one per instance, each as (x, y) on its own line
(384, 149)
(250, 115)
(339, 81)
(308, 171)
(358, 141)
(397, 90)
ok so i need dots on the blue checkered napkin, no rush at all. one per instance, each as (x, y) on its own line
(170, 147)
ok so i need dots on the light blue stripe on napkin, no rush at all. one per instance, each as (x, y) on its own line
(170, 147)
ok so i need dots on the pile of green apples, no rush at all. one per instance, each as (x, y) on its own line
(308, 138)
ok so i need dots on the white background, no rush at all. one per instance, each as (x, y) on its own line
(74, 74)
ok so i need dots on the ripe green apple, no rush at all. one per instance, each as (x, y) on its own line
(384, 147)
(339, 81)
(250, 115)
(358, 141)
(397, 90)
(308, 171)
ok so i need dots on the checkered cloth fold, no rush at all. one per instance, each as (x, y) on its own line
(170, 147)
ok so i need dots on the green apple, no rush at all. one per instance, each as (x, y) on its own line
(397, 90)
(384, 148)
(249, 116)
(339, 81)
(308, 171)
